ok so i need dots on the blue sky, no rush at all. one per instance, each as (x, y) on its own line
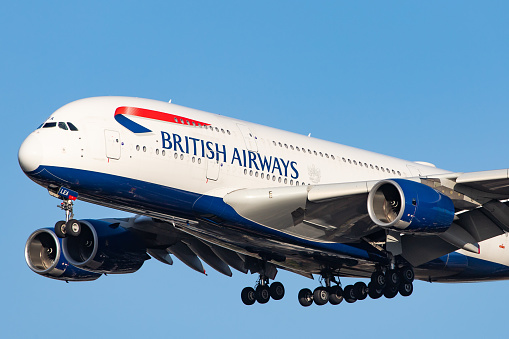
(421, 81)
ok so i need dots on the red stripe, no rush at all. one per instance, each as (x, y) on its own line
(156, 115)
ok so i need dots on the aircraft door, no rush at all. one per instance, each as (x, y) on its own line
(213, 167)
(249, 138)
(112, 144)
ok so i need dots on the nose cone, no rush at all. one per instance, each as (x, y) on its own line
(30, 153)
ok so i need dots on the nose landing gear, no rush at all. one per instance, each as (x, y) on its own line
(70, 226)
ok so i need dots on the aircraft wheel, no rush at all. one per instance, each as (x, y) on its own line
(349, 295)
(360, 290)
(335, 295)
(407, 274)
(390, 291)
(378, 278)
(392, 277)
(60, 229)
(248, 296)
(374, 291)
(277, 290)
(262, 294)
(320, 296)
(305, 297)
(405, 289)
(73, 227)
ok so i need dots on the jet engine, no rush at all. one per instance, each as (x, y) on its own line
(105, 247)
(409, 207)
(43, 254)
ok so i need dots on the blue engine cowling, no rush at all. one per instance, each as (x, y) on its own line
(43, 254)
(409, 207)
(105, 247)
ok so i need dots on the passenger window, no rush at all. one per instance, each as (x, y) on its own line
(71, 126)
(62, 125)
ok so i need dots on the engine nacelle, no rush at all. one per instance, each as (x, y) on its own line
(43, 254)
(409, 207)
(105, 247)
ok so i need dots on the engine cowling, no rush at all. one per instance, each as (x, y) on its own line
(409, 207)
(105, 247)
(43, 254)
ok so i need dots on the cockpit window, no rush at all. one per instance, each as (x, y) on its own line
(62, 125)
(72, 127)
(49, 125)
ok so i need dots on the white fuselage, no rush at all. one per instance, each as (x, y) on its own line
(213, 157)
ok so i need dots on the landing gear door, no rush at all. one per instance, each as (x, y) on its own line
(213, 167)
(112, 144)
(249, 138)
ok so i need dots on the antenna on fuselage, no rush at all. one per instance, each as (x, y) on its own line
(169, 101)
(309, 135)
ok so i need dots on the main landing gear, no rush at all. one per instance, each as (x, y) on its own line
(70, 226)
(262, 292)
(388, 284)
(323, 294)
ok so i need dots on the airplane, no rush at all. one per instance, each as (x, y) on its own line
(240, 195)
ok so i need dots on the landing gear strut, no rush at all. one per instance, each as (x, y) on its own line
(386, 282)
(323, 294)
(263, 292)
(70, 226)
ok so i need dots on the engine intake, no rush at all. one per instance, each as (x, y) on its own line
(409, 206)
(105, 247)
(44, 256)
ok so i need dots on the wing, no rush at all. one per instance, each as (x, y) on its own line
(338, 213)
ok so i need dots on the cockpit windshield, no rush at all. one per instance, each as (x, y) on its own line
(49, 125)
(62, 125)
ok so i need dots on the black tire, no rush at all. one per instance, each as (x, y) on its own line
(374, 291)
(262, 294)
(405, 289)
(73, 228)
(407, 274)
(390, 291)
(60, 229)
(360, 290)
(378, 279)
(305, 297)
(349, 295)
(335, 295)
(248, 296)
(277, 291)
(321, 296)
(393, 278)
